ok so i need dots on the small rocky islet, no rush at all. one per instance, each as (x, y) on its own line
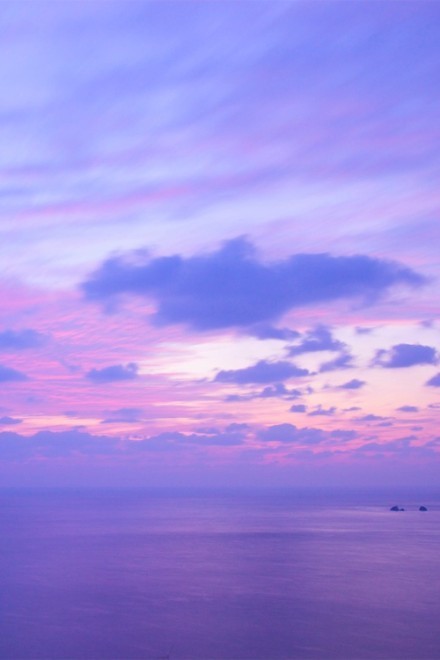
(398, 508)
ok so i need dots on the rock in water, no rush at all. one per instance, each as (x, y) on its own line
(395, 508)
(423, 508)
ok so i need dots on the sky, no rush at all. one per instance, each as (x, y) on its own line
(219, 254)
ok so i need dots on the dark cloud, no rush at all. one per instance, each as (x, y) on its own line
(261, 372)
(343, 361)
(7, 374)
(318, 339)
(434, 382)
(13, 340)
(266, 331)
(9, 421)
(114, 373)
(233, 288)
(354, 384)
(405, 355)
(408, 409)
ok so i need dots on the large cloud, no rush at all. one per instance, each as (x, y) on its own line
(406, 355)
(261, 372)
(233, 288)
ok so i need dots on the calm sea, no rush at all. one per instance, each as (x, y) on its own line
(221, 575)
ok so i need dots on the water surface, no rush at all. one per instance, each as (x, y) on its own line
(221, 575)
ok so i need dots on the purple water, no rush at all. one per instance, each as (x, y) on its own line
(150, 574)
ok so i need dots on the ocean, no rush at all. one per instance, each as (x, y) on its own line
(233, 574)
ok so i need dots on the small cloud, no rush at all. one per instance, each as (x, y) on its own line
(261, 372)
(354, 384)
(343, 434)
(7, 374)
(115, 373)
(276, 390)
(408, 409)
(267, 331)
(123, 416)
(363, 331)
(237, 427)
(343, 361)
(290, 433)
(371, 418)
(9, 421)
(233, 398)
(17, 340)
(298, 407)
(405, 355)
(320, 411)
(434, 382)
(319, 339)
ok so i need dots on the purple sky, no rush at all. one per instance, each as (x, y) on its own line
(220, 230)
